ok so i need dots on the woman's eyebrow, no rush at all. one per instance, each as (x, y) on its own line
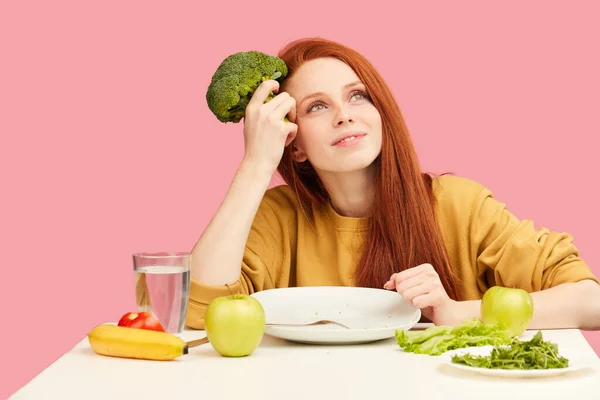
(310, 96)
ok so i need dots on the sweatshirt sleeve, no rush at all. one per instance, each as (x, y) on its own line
(517, 254)
(264, 254)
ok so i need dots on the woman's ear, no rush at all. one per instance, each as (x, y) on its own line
(297, 153)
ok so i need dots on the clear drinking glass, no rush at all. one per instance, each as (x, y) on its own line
(162, 287)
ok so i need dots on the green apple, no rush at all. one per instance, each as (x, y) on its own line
(510, 307)
(235, 324)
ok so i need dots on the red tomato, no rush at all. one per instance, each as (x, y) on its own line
(141, 320)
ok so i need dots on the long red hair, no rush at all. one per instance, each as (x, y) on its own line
(403, 231)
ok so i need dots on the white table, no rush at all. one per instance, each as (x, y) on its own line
(284, 370)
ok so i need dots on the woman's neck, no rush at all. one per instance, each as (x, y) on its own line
(351, 193)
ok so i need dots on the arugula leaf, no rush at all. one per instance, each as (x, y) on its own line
(439, 339)
(533, 354)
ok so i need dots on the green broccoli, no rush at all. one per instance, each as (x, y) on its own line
(236, 79)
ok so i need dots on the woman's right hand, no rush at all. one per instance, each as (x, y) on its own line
(266, 134)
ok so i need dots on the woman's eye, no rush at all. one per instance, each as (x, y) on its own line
(361, 95)
(314, 107)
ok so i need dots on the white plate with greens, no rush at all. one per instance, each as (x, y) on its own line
(369, 314)
(535, 358)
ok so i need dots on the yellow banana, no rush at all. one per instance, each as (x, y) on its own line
(119, 341)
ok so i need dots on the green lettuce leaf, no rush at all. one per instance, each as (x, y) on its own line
(439, 339)
(533, 354)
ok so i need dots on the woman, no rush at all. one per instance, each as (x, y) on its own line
(358, 211)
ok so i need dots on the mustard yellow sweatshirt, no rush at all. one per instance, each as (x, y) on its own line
(486, 244)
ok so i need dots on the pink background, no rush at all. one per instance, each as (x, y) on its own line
(108, 146)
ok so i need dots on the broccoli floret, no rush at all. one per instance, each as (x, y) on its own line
(236, 79)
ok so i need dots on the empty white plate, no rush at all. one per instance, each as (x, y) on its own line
(371, 314)
(574, 365)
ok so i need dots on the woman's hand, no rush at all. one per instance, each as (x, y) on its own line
(421, 286)
(265, 132)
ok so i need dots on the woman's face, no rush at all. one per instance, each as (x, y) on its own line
(339, 129)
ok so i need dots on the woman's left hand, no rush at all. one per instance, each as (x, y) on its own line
(421, 286)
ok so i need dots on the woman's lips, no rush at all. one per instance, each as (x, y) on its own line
(351, 140)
